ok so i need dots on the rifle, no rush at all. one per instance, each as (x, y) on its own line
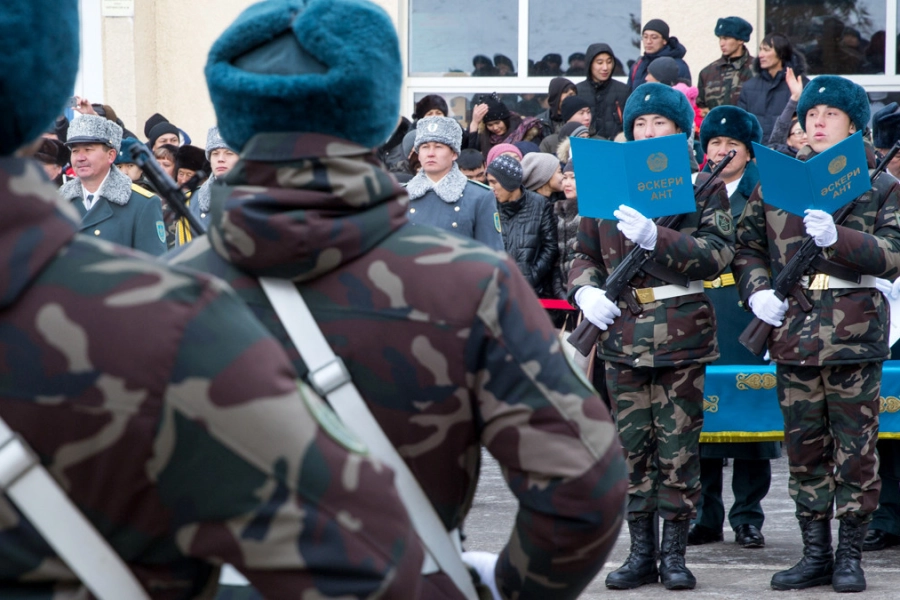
(168, 189)
(757, 332)
(586, 334)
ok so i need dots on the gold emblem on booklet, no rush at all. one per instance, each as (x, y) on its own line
(657, 162)
(837, 164)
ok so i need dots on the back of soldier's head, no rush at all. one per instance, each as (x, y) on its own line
(38, 65)
(318, 66)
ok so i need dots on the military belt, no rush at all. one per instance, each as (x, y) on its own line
(821, 281)
(664, 292)
(723, 280)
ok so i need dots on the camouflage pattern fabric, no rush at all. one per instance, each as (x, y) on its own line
(720, 81)
(672, 332)
(846, 325)
(445, 341)
(659, 414)
(175, 423)
(830, 430)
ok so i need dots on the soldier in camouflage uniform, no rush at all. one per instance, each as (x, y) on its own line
(719, 83)
(829, 359)
(728, 128)
(655, 361)
(443, 337)
(168, 414)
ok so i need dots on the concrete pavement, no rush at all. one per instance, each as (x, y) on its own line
(723, 570)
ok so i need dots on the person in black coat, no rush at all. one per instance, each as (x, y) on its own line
(527, 223)
(560, 88)
(606, 95)
(658, 43)
(766, 94)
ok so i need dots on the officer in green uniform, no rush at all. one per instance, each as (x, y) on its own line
(110, 208)
(729, 128)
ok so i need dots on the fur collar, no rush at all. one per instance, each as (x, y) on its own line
(204, 192)
(116, 188)
(449, 189)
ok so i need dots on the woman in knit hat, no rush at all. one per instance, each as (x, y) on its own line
(492, 123)
(527, 223)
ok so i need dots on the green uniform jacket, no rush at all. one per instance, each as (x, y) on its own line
(672, 332)
(446, 342)
(122, 214)
(845, 326)
(174, 422)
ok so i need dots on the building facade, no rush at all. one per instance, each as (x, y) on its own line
(147, 56)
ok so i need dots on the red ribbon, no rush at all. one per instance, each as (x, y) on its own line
(551, 304)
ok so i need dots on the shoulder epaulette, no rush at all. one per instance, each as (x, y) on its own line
(142, 191)
(484, 185)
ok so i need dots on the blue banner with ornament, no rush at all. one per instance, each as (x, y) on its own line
(740, 404)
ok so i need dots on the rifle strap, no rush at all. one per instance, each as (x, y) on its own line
(31, 488)
(329, 377)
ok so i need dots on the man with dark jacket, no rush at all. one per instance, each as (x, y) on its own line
(829, 359)
(657, 42)
(528, 224)
(443, 337)
(720, 81)
(606, 96)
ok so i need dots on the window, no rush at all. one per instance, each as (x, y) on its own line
(452, 38)
(468, 48)
(569, 28)
(840, 37)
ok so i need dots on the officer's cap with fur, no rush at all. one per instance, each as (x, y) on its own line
(38, 65)
(733, 122)
(657, 99)
(836, 92)
(320, 66)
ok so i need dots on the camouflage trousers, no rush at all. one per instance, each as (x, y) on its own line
(830, 431)
(659, 415)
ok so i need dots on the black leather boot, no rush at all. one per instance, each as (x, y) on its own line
(848, 574)
(640, 566)
(672, 571)
(817, 565)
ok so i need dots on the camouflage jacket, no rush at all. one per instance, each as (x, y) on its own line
(720, 81)
(173, 421)
(444, 339)
(845, 325)
(669, 332)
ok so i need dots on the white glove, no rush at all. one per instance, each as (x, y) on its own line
(598, 309)
(636, 227)
(890, 290)
(483, 563)
(820, 227)
(766, 305)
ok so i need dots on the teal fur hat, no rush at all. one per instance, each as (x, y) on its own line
(657, 99)
(733, 122)
(837, 92)
(38, 64)
(318, 66)
(886, 126)
(734, 27)
(124, 155)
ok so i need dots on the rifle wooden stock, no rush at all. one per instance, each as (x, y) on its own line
(586, 334)
(756, 334)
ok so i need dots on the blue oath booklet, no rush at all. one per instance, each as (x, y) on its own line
(826, 182)
(652, 176)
